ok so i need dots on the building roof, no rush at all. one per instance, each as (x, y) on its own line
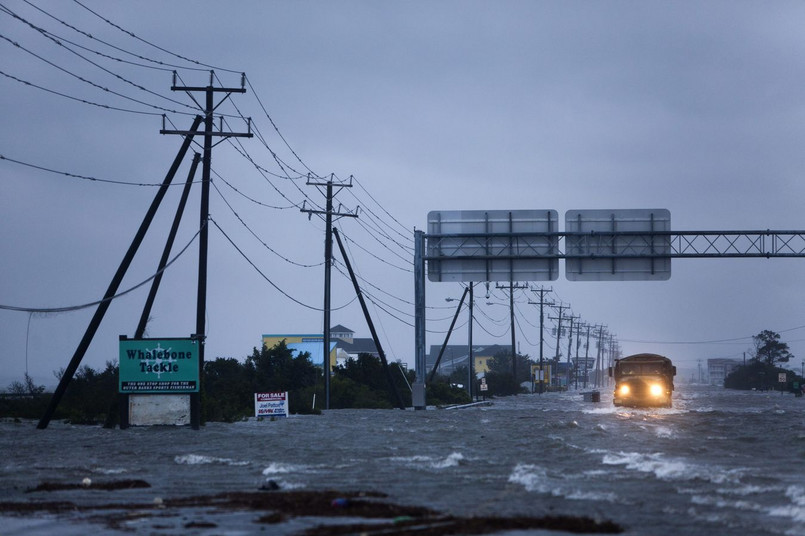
(341, 329)
(358, 346)
(459, 351)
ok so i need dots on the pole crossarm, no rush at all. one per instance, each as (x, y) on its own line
(616, 245)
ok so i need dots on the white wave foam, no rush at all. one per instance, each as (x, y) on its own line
(452, 460)
(115, 471)
(795, 510)
(579, 495)
(721, 502)
(664, 432)
(531, 477)
(535, 478)
(670, 469)
(279, 468)
(198, 459)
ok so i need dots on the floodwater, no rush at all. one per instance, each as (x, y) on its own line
(718, 462)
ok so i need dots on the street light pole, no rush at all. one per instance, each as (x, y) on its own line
(470, 359)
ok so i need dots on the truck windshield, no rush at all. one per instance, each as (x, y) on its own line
(640, 369)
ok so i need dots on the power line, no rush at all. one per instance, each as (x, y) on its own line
(77, 99)
(265, 245)
(89, 82)
(82, 177)
(109, 299)
(131, 34)
(160, 65)
(269, 281)
(276, 129)
(59, 41)
(249, 198)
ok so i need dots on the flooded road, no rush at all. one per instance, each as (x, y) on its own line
(718, 462)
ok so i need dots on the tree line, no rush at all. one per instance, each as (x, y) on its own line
(229, 385)
(764, 369)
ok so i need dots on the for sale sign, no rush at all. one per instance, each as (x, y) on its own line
(271, 404)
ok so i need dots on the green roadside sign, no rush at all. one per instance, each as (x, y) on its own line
(158, 366)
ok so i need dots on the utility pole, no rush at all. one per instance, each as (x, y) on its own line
(512, 287)
(587, 357)
(542, 291)
(209, 133)
(613, 345)
(579, 325)
(569, 348)
(470, 356)
(599, 354)
(328, 257)
(561, 308)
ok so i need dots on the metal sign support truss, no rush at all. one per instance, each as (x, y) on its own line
(628, 244)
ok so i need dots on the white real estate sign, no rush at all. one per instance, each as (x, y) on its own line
(271, 404)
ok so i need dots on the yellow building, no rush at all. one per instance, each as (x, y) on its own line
(455, 356)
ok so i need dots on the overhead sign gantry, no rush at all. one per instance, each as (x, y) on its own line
(597, 245)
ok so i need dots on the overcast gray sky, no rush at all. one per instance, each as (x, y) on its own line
(694, 107)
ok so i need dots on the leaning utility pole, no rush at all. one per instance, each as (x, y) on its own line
(104, 304)
(209, 133)
(542, 291)
(328, 260)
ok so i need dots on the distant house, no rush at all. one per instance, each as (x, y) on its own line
(455, 356)
(719, 369)
(343, 344)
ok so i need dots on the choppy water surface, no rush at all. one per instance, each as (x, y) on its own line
(719, 462)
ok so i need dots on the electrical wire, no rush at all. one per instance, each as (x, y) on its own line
(89, 82)
(276, 129)
(131, 34)
(249, 198)
(71, 308)
(159, 64)
(59, 41)
(265, 245)
(264, 276)
(78, 99)
(84, 177)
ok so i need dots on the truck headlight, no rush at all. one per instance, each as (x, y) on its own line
(656, 389)
(623, 390)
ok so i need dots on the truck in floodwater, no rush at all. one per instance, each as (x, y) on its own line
(643, 380)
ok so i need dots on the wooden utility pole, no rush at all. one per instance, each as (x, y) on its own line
(512, 287)
(542, 291)
(209, 133)
(559, 318)
(328, 261)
